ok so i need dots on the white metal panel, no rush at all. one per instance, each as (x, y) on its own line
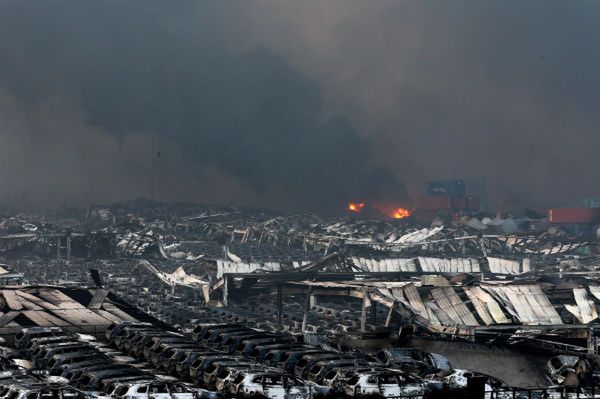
(586, 306)
(480, 306)
(411, 293)
(447, 299)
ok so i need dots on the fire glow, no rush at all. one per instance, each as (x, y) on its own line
(355, 206)
(400, 213)
(392, 212)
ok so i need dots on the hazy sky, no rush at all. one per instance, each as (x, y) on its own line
(298, 104)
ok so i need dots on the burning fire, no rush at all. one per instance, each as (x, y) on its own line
(392, 211)
(387, 210)
(400, 213)
(355, 206)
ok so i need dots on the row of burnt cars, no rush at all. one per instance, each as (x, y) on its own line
(138, 360)
(218, 360)
(81, 364)
(235, 360)
(326, 318)
(17, 383)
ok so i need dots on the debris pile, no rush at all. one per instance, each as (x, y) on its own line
(206, 301)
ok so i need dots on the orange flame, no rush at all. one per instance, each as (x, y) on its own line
(355, 206)
(392, 212)
(400, 213)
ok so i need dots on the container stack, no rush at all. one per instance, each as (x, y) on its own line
(445, 196)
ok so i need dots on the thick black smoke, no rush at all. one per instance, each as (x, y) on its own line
(134, 69)
(240, 99)
(507, 90)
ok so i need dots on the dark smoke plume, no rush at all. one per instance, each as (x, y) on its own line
(240, 99)
(132, 71)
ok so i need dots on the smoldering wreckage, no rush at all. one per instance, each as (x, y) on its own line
(142, 299)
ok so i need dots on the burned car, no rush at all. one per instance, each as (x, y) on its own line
(182, 365)
(269, 384)
(200, 332)
(202, 363)
(337, 377)
(493, 387)
(39, 391)
(144, 389)
(57, 361)
(384, 384)
(306, 362)
(211, 373)
(115, 330)
(320, 369)
(246, 346)
(260, 351)
(27, 334)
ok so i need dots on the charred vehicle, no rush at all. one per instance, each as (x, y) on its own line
(305, 363)
(202, 363)
(260, 351)
(246, 346)
(319, 370)
(27, 334)
(57, 361)
(211, 373)
(269, 384)
(384, 384)
(43, 390)
(163, 357)
(154, 389)
(287, 359)
(44, 355)
(92, 380)
(153, 348)
(115, 330)
(182, 366)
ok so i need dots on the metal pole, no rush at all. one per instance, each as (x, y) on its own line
(388, 319)
(363, 312)
(279, 307)
(68, 246)
(225, 289)
(306, 309)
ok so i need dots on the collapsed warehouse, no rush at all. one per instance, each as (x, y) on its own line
(215, 301)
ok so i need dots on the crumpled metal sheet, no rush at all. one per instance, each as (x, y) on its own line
(585, 310)
(527, 302)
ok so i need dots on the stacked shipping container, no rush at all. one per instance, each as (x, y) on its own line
(447, 196)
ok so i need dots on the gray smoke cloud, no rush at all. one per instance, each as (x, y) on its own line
(242, 100)
(504, 90)
(158, 79)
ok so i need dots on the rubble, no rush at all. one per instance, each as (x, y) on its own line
(188, 301)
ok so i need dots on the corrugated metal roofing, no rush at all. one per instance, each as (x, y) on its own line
(450, 302)
(227, 267)
(527, 302)
(441, 265)
(504, 266)
(49, 306)
(487, 308)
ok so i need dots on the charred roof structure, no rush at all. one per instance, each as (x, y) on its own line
(206, 301)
